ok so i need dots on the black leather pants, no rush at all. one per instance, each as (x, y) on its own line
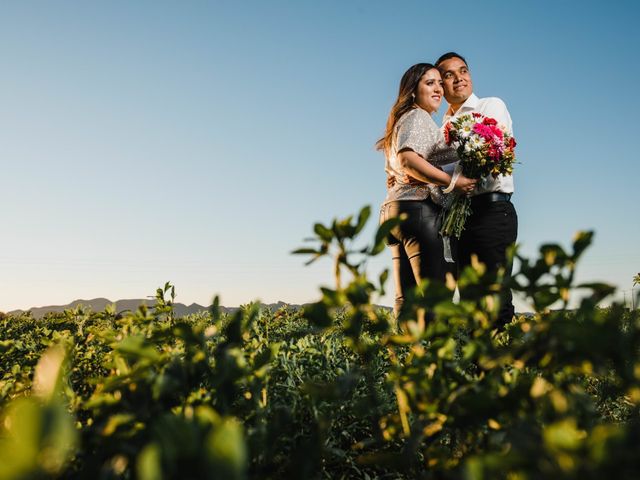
(416, 246)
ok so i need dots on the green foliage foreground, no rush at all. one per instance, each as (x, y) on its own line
(336, 390)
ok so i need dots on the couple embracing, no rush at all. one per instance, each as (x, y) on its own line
(419, 165)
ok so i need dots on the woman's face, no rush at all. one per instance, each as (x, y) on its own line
(429, 91)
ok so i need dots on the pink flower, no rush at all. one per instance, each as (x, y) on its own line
(496, 131)
(484, 131)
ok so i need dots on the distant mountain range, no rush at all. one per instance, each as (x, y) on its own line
(99, 304)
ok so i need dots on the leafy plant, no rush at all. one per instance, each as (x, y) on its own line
(336, 389)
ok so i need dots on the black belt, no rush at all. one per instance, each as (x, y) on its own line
(491, 197)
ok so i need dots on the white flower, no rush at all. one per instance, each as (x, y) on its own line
(477, 141)
(466, 130)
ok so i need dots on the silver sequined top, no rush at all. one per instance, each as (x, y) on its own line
(416, 130)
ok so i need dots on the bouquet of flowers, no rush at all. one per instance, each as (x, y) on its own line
(484, 149)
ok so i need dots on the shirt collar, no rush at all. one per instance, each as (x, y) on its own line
(469, 104)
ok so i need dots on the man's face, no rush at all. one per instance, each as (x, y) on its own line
(457, 80)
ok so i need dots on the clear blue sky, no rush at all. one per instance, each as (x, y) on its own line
(198, 142)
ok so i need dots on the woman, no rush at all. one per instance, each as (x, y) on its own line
(415, 150)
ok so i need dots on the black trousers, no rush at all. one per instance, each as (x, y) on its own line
(491, 228)
(416, 246)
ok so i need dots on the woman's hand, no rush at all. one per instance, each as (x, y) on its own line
(404, 179)
(465, 185)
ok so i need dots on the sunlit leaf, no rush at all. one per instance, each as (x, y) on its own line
(318, 314)
(363, 216)
(581, 242)
(226, 450)
(383, 232)
(323, 232)
(149, 464)
(304, 251)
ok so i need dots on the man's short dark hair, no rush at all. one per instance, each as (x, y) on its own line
(449, 55)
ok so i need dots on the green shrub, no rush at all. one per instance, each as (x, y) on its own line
(336, 389)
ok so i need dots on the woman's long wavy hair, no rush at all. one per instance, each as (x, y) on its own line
(404, 102)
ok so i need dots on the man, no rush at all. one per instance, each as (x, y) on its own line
(493, 225)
